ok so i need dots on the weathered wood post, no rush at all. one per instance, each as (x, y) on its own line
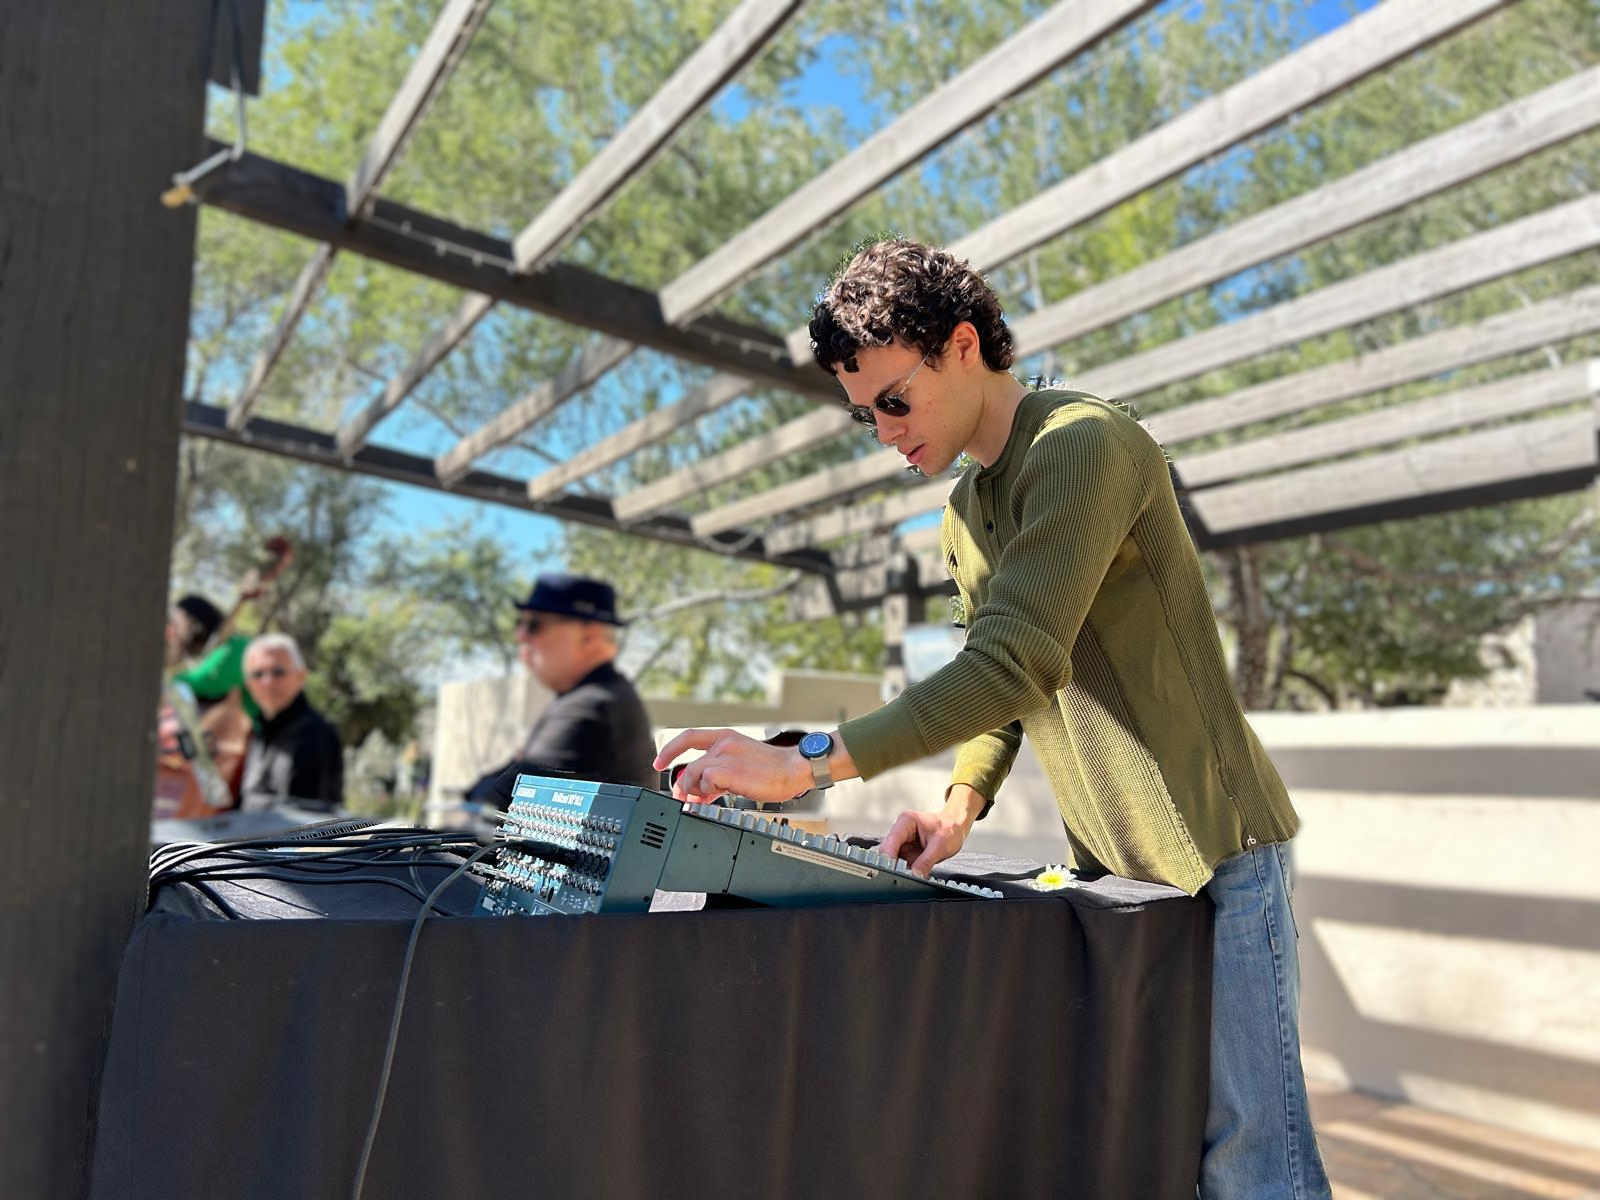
(100, 102)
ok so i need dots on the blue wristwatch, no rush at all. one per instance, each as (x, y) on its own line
(814, 748)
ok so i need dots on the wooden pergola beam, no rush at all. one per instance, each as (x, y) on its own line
(1523, 461)
(1551, 322)
(1487, 143)
(660, 119)
(817, 488)
(322, 449)
(589, 366)
(285, 197)
(1520, 462)
(353, 433)
(717, 392)
(856, 520)
(1533, 458)
(1011, 67)
(1548, 323)
(1512, 132)
(1514, 396)
(446, 45)
(793, 437)
(1544, 237)
(1326, 66)
(1493, 254)
(1494, 140)
(748, 30)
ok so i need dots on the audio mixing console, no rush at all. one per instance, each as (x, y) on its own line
(573, 846)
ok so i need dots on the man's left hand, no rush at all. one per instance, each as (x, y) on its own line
(734, 763)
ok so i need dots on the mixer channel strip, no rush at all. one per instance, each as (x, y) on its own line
(574, 846)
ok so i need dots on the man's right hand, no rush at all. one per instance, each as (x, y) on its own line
(926, 839)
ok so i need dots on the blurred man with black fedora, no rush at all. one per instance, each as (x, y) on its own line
(596, 726)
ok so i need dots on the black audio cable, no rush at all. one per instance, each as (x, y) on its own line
(531, 845)
(343, 858)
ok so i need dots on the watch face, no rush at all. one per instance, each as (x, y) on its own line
(815, 745)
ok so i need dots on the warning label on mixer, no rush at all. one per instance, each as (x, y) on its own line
(824, 860)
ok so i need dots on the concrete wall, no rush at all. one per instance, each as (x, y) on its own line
(1551, 656)
(478, 724)
(1449, 907)
(1566, 651)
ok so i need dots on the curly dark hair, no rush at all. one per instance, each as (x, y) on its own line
(899, 289)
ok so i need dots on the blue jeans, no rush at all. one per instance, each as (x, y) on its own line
(1259, 1144)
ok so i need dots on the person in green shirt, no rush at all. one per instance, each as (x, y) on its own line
(214, 672)
(1089, 630)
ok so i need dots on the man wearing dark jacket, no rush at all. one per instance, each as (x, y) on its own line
(596, 727)
(294, 754)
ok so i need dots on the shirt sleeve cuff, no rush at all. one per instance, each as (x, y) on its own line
(883, 738)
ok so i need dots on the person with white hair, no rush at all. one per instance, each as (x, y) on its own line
(294, 756)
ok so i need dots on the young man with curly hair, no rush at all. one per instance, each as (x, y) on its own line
(1090, 631)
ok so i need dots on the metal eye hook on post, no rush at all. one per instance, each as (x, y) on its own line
(184, 183)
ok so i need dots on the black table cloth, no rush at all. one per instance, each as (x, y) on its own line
(1042, 1045)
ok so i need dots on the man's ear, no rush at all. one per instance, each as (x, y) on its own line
(965, 344)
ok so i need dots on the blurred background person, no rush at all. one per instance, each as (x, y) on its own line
(294, 753)
(210, 671)
(207, 714)
(595, 727)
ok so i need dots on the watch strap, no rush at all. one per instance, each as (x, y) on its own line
(821, 773)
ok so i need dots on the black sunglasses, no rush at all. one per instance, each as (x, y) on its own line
(532, 625)
(892, 405)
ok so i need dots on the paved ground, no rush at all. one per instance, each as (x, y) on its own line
(1384, 1150)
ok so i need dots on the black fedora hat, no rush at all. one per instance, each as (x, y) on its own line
(573, 596)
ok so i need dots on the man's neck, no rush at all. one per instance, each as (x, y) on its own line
(273, 716)
(582, 673)
(1001, 394)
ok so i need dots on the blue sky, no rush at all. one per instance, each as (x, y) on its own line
(532, 538)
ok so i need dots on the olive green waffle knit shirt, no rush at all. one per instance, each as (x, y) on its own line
(1089, 629)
